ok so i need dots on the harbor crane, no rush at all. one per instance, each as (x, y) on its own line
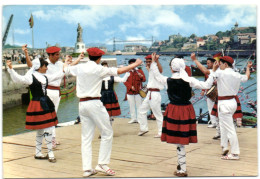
(7, 30)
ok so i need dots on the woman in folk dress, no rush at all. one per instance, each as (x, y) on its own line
(40, 115)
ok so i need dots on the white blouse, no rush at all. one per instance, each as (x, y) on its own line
(191, 80)
(116, 79)
(27, 79)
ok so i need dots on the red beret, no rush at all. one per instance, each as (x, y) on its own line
(227, 59)
(95, 52)
(53, 49)
(148, 57)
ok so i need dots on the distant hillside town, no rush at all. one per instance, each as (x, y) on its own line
(237, 38)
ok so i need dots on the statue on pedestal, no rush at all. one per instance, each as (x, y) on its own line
(79, 36)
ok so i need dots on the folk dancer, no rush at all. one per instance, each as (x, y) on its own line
(179, 123)
(40, 115)
(133, 86)
(53, 88)
(152, 100)
(92, 111)
(214, 119)
(228, 86)
(108, 94)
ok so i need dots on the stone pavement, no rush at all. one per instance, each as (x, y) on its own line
(132, 155)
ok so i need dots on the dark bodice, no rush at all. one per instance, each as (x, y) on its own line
(179, 91)
(36, 88)
(110, 85)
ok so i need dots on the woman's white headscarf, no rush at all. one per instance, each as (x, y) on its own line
(36, 64)
(178, 65)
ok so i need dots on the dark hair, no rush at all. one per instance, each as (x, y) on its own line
(43, 62)
(211, 59)
(171, 61)
(93, 58)
(131, 60)
(179, 56)
(104, 63)
(229, 64)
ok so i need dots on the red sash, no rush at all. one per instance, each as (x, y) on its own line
(88, 98)
(237, 114)
(152, 89)
(54, 88)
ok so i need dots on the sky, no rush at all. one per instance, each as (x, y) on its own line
(101, 23)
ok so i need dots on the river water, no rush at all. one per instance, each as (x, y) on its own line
(14, 118)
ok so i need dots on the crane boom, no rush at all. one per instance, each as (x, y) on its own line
(7, 30)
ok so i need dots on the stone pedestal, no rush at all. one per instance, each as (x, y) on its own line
(79, 47)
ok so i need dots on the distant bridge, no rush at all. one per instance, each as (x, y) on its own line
(124, 41)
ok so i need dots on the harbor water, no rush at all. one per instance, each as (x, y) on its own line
(14, 118)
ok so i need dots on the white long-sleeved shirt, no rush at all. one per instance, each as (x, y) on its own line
(153, 82)
(53, 69)
(89, 78)
(228, 81)
(116, 79)
(191, 80)
(28, 78)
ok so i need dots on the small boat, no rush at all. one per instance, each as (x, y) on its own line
(195, 71)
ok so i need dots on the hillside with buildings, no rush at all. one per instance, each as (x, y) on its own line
(237, 38)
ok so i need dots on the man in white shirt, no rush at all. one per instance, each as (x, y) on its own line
(152, 100)
(92, 111)
(228, 86)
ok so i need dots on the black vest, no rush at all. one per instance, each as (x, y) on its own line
(36, 88)
(179, 91)
(110, 84)
(38, 95)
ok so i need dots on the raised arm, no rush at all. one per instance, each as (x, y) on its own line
(28, 60)
(199, 65)
(81, 56)
(159, 64)
(26, 79)
(201, 84)
(155, 70)
(249, 65)
(122, 80)
(129, 67)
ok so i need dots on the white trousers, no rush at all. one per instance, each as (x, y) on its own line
(54, 95)
(134, 102)
(47, 134)
(214, 120)
(226, 109)
(155, 105)
(92, 113)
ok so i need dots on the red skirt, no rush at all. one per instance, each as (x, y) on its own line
(37, 118)
(110, 101)
(237, 114)
(179, 125)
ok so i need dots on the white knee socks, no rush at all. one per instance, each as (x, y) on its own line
(181, 157)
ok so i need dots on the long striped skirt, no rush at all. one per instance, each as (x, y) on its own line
(237, 114)
(110, 101)
(37, 118)
(179, 125)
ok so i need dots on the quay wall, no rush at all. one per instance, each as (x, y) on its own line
(15, 94)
